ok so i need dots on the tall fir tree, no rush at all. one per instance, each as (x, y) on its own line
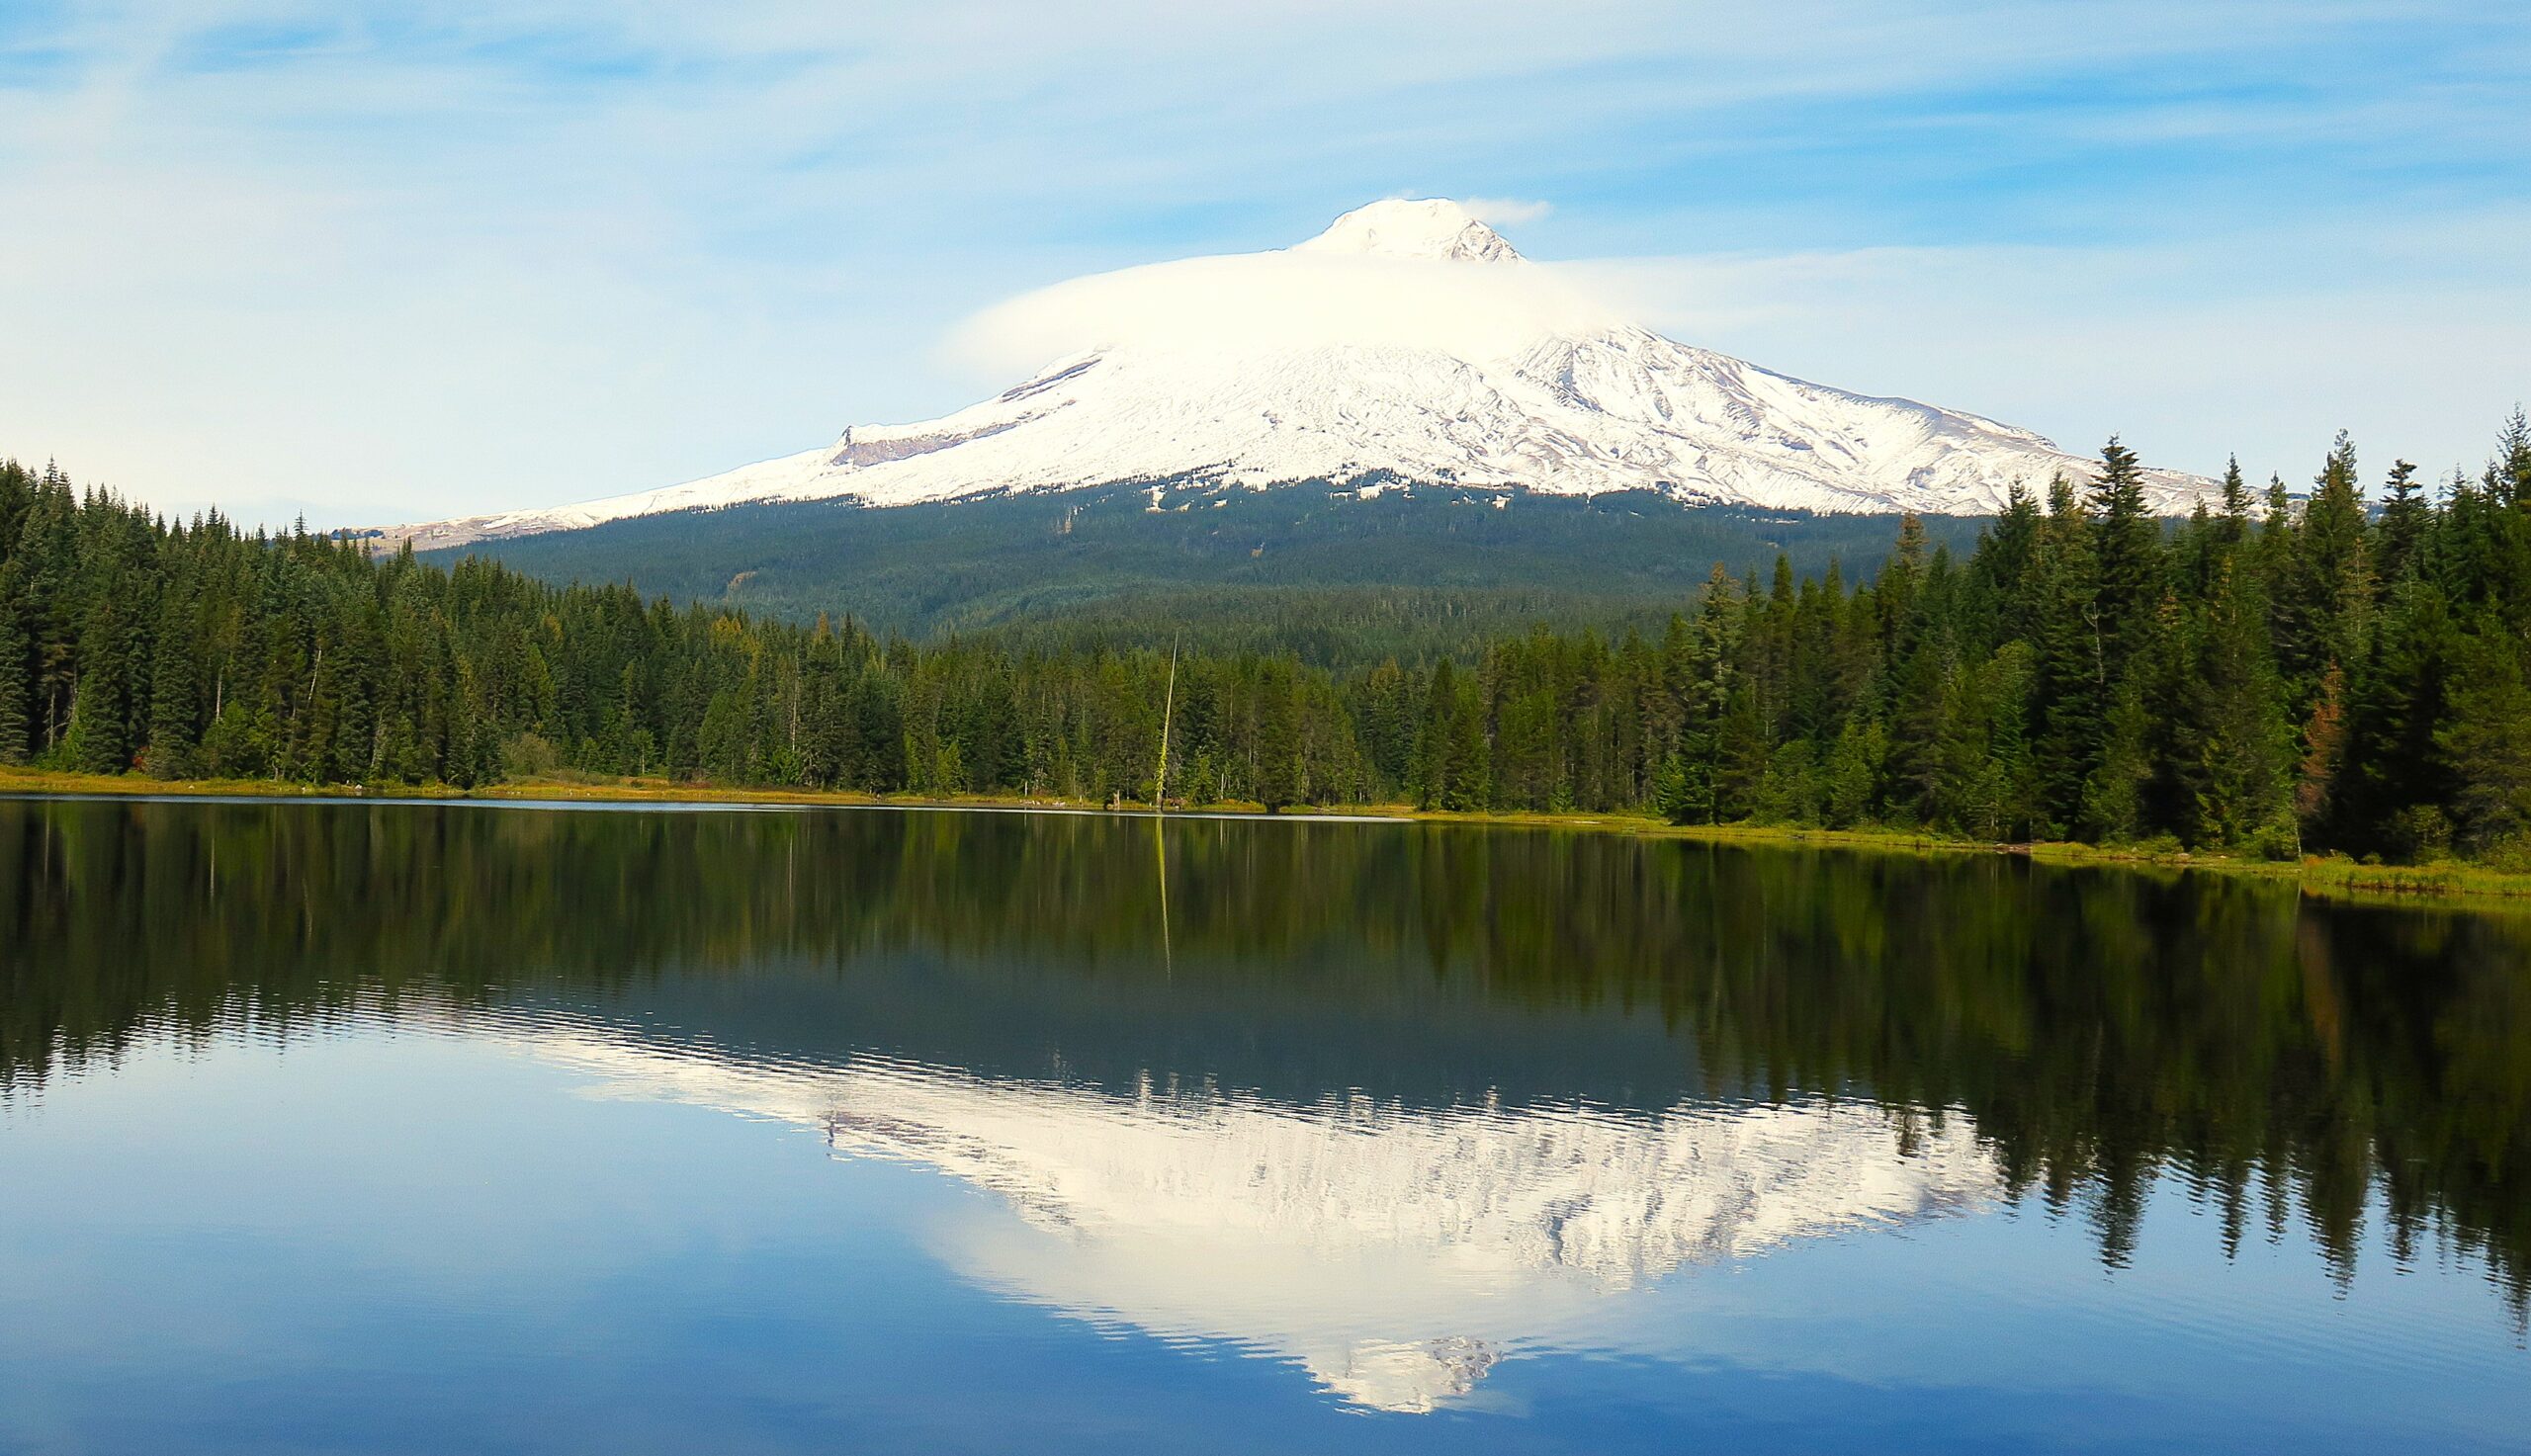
(2329, 596)
(2235, 727)
(16, 674)
(2071, 697)
(174, 703)
(2487, 742)
(2126, 557)
(2404, 518)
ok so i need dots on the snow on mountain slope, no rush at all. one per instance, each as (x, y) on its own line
(1408, 340)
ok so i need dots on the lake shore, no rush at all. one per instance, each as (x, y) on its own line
(2325, 875)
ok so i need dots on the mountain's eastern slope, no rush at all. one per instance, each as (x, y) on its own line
(1410, 342)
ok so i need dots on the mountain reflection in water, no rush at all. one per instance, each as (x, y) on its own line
(1396, 1253)
(1389, 1100)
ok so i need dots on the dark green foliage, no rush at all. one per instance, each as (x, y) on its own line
(2071, 697)
(1337, 577)
(2323, 610)
(2487, 742)
(2086, 670)
(2128, 555)
(2234, 736)
(17, 663)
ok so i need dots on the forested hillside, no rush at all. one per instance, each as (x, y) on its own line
(2278, 674)
(1341, 577)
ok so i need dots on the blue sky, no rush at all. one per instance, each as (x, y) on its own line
(383, 260)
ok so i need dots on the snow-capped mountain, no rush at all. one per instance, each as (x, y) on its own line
(1408, 342)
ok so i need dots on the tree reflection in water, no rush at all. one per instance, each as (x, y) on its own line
(2288, 1059)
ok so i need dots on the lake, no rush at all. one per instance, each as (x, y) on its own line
(381, 1127)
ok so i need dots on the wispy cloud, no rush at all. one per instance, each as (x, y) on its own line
(474, 253)
(1505, 211)
(2262, 344)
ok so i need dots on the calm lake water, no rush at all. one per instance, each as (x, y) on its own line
(447, 1128)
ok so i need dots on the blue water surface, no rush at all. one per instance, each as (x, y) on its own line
(517, 1205)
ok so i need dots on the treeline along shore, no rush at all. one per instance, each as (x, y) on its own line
(2274, 675)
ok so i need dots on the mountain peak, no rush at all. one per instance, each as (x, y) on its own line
(1435, 229)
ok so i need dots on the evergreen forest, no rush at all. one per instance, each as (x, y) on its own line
(1340, 574)
(2339, 669)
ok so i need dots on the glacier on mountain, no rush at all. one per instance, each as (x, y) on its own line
(1408, 342)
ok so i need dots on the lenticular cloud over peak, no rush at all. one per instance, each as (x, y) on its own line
(1407, 275)
(1408, 342)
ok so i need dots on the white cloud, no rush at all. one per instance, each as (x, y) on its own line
(1504, 211)
(2264, 347)
(1280, 300)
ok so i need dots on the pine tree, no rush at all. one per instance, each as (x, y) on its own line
(1921, 722)
(2329, 604)
(2236, 720)
(1280, 778)
(2007, 554)
(2128, 557)
(2071, 696)
(1465, 753)
(1386, 718)
(1431, 780)
(2389, 798)
(2404, 516)
(2236, 505)
(1853, 773)
(1902, 577)
(2004, 793)
(2508, 565)
(173, 702)
(2487, 742)
(1705, 674)
(2114, 796)
(99, 737)
(1741, 753)
(2271, 557)
(55, 607)
(16, 680)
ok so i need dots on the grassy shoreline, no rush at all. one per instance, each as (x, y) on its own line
(2331, 876)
